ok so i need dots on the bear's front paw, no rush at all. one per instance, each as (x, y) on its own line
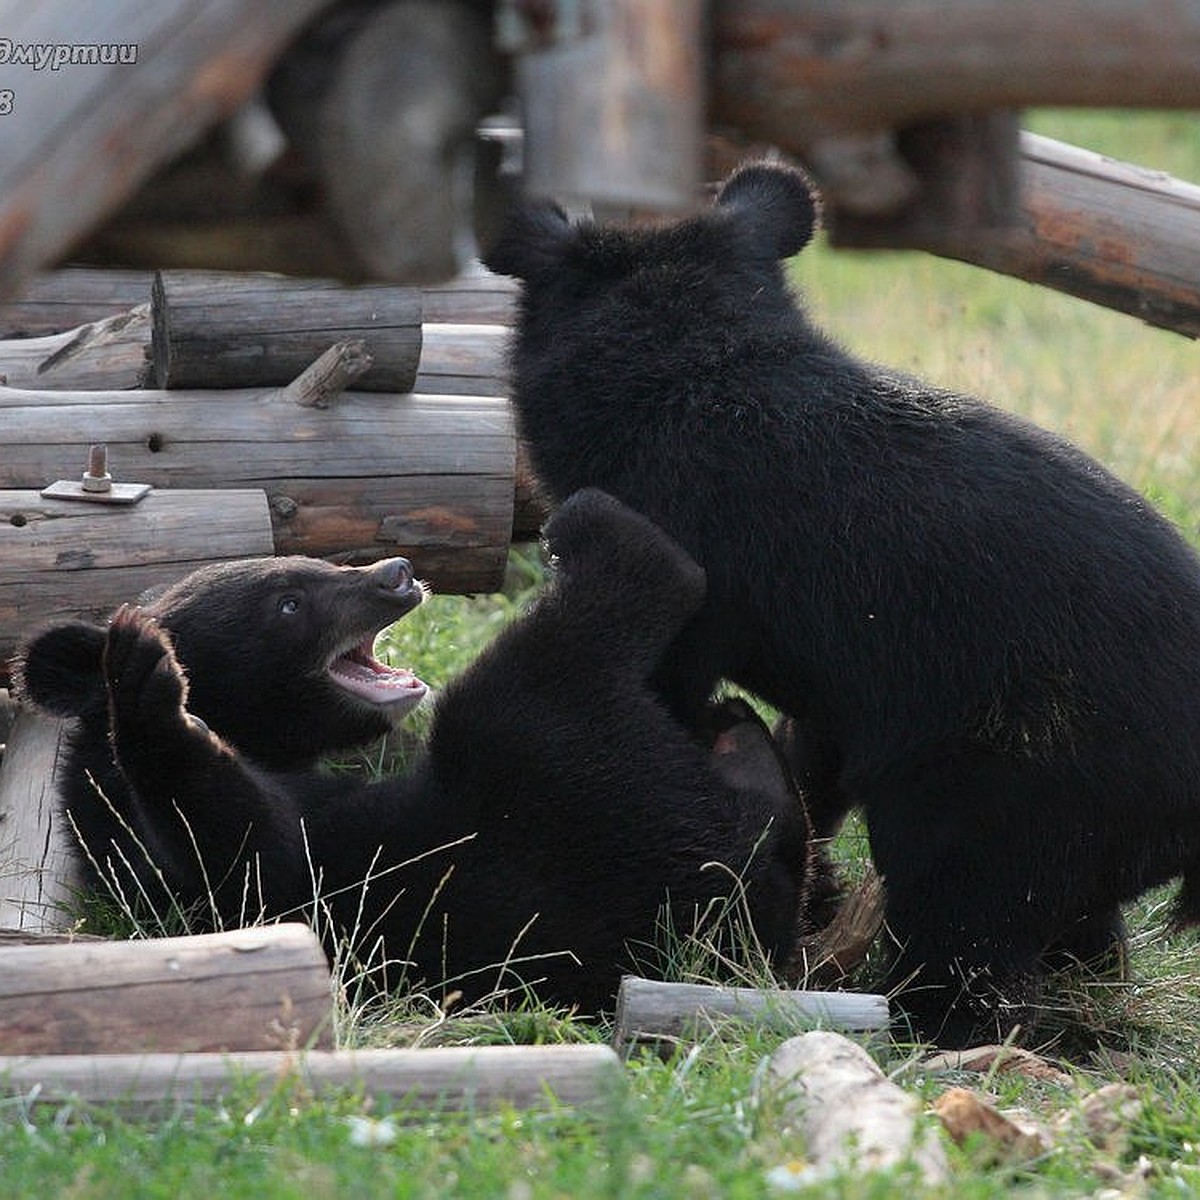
(146, 686)
(592, 526)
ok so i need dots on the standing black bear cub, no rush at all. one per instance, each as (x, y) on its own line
(980, 635)
(559, 812)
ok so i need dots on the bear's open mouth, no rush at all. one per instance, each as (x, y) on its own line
(360, 673)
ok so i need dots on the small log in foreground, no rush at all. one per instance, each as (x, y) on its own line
(223, 330)
(266, 988)
(441, 1078)
(650, 1010)
(849, 1115)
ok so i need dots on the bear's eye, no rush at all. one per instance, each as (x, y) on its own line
(289, 605)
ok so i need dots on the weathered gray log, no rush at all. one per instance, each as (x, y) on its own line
(63, 559)
(653, 1011)
(224, 330)
(429, 477)
(436, 1079)
(475, 298)
(54, 301)
(612, 102)
(108, 353)
(38, 874)
(260, 989)
(92, 108)
(464, 360)
(850, 1116)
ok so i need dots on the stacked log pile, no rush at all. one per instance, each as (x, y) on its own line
(401, 442)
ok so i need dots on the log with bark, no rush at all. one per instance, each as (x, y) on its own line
(266, 988)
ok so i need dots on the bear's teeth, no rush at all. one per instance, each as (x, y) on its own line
(360, 673)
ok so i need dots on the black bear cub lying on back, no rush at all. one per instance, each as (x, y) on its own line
(559, 813)
(981, 636)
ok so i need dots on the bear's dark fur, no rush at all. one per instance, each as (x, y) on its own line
(558, 813)
(980, 635)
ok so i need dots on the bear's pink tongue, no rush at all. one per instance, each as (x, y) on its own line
(361, 674)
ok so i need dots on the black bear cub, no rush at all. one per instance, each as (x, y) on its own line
(978, 634)
(560, 820)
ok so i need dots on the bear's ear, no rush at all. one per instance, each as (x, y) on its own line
(777, 204)
(61, 669)
(532, 242)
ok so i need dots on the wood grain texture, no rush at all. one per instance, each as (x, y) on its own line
(651, 1010)
(38, 874)
(226, 330)
(341, 481)
(266, 988)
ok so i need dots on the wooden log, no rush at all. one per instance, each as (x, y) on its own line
(1104, 231)
(429, 477)
(437, 1079)
(225, 330)
(455, 359)
(266, 988)
(793, 73)
(475, 298)
(850, 1116)
(62, 559)
(109, 353)
(650, 1010)
(612, 102)
(86, 123)
(53, 301)
(464, 360)
(39, 876)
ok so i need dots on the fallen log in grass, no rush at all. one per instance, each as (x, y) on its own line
(266, 988)
(649, 1010)
(449, 1079)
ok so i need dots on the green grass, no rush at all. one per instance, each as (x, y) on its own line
(694, 1125)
